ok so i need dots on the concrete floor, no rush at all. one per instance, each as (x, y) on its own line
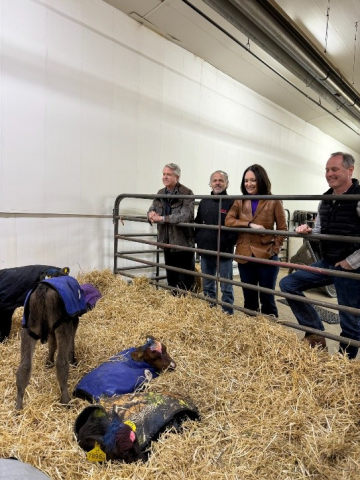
(285, 312)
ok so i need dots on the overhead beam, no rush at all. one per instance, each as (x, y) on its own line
(277, 35)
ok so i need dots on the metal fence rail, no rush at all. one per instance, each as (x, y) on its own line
(150, 239)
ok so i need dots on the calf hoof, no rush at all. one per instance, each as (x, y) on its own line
(49, 364)
(65, 399)
(74, 362)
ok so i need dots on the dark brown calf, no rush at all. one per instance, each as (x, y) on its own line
(47, 321)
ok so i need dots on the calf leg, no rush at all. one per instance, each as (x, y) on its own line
(64, 340)
(52, 349)
(24, 371)
(72, 358)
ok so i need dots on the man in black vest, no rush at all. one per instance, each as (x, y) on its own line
(335, 217)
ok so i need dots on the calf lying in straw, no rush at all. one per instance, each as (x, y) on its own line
(51, 313)
(149, 414)
(126, 371)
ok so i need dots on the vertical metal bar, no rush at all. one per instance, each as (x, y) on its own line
(218, 251)
(157, 270)
(116, 231)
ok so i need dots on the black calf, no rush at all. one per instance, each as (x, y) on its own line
(15, 283)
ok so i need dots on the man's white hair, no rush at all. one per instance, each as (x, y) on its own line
(175, 168)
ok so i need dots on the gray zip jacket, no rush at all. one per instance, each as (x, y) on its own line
(180, 210)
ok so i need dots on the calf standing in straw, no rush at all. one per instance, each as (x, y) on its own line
(51, 313)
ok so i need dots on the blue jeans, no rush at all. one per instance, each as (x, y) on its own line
(264, 276)
(208, 266)
(348, 294)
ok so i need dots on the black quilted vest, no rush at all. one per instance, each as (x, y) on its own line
(339, 218)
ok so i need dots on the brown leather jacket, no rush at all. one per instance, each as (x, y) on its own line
(267, 213)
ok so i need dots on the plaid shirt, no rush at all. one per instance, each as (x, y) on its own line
(353, 259)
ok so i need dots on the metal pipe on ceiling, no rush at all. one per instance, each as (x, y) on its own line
(260, 21)
(269, 17)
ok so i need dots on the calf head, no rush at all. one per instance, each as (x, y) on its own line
(154, 352)
(120, 442)
(115, 438)
(54, 272)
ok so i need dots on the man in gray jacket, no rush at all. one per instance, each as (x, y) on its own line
(167, 213)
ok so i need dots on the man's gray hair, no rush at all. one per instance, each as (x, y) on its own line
(222, 173)
(348, 160)
(175, 168)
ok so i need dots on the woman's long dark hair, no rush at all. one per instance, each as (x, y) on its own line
(262, 179)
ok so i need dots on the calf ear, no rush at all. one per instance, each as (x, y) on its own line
(65, 270)
(137, 355)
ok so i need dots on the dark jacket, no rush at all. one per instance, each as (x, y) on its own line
(339, 218)
(175, 210)
(16, 282)
(208, 214)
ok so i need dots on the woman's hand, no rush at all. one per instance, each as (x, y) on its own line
(256, 226)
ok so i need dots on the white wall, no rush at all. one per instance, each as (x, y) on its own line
(93, 105)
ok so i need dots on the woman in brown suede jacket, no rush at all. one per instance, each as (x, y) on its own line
(258, 215)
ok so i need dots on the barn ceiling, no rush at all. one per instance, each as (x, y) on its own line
(304, 56)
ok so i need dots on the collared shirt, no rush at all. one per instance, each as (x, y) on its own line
(353, 259)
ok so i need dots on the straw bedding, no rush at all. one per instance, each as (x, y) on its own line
(271, 407)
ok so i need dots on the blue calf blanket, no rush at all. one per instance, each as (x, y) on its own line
(121, 374)
(69, 291)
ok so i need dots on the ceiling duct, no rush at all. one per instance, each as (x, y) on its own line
(267, 25)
